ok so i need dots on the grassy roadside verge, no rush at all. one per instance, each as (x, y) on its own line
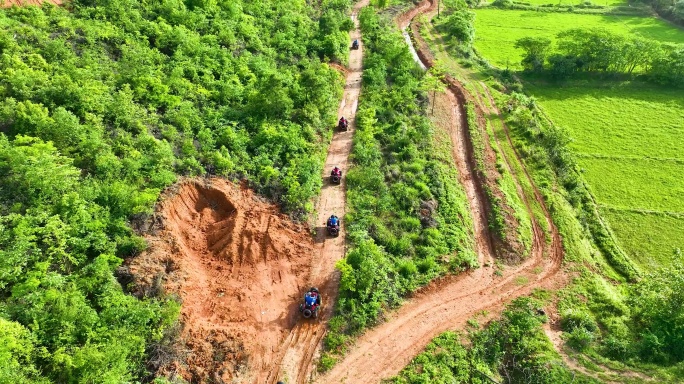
(511, 349)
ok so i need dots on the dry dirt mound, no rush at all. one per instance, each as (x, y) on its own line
(239, 268)
(23, 3)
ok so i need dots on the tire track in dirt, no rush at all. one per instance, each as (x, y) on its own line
(295, 356)
(537, 194)
(24, 3)
(448, 303)
(237, 266)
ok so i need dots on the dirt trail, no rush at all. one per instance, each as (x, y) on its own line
(23, 3)
(447, 304)
(297, 354)
(241, 269)
(606, 375)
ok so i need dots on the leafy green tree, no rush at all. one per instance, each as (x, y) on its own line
(536, 50)
(459, 25)
(595, 49)
(669, 68)
(658, 315)
(432, 82)
(562, 66)
(16, 355)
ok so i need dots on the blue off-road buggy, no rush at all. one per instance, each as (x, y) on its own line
(333, 225)
(312, 303)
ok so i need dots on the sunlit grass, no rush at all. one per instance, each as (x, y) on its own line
(630, 142)
(572, 2)
(649, 239)
(496, 30)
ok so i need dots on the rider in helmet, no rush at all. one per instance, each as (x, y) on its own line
(309, 299)
(343, 122)
(333, 221)
(336, 171)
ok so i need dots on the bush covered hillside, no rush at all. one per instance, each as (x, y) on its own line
(102, 105)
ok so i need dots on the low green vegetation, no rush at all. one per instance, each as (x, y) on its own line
(408, 219)
(497, 30)
(624, 135)
(513, 349)
(638, 325)
(570, 3)
(102, 105)
(508, 218)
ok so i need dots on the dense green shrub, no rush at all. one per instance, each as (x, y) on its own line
(658, 315)
(459, 25)
(601, 51)
(102, 105)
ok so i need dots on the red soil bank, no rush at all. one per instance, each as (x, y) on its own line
(239, 268)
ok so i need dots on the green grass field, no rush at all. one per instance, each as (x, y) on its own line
(497, 30)
(572, 2)
(630, 142)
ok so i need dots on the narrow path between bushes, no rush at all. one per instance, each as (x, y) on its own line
(604, 374)
(296, 357)
(448, 303)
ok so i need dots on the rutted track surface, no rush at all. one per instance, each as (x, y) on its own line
(296, 355)
(236, 264)
(22, 3)
(447, 304)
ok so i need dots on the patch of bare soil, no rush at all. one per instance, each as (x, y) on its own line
(239, 268)
(23, 3)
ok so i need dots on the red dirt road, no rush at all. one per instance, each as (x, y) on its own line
(447, 304)
(296, 356)
(23, 3)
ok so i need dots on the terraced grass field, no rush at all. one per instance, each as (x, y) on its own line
(573, 2)
(630, 142)
(497, 30)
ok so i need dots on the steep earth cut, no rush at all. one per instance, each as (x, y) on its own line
(23, 3)
(238, 267)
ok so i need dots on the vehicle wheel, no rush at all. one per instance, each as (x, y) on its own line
(315, 313)
(306, 313)
(301, 307)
